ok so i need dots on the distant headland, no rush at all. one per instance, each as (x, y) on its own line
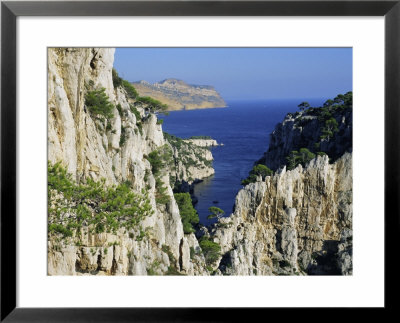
(178, 95)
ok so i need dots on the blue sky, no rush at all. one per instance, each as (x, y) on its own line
(245, 73)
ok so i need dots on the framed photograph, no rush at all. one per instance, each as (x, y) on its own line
(187, 160)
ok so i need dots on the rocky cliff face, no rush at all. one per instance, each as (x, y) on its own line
(305, 129)
(294, 223)
(192, 161)
(121, 166)
(91, 148)
(179, 95)
(202, 142)
(297, 221)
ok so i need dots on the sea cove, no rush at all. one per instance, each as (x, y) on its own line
(243, 128)
(257, 186)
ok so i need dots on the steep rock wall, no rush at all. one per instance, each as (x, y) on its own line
(294, 222)
(90, 151)
(191, 163)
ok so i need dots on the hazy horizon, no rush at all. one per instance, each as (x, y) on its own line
(245, 73)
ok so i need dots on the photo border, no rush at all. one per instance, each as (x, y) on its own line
(10, 10)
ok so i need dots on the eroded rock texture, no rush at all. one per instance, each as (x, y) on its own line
(295, 222)
(89, 151)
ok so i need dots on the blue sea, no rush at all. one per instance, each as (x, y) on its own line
(244, 128)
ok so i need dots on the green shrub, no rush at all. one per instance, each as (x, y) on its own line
(188, 213)
(159, 159)
(156, 162)
(258, 170)
(303, 156)
(172, 269)
(211, 250)
(200, 137)
(210, 268)
(59, 228)
(122, 138)
(119, 108)
(135, 112)
(152, 271)
(329, 128)
(160, 121)
(98, 104)
(303, 106)
(130, 90)
(117, 81)
(99, 227)
(92, 204)
(173, 140)
(153, 104)
(109, 126)
(216, 212)
(161, 196)
(141, 235)
(139, 125)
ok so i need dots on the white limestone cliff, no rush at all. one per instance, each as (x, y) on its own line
(294, 222)
(88, 151)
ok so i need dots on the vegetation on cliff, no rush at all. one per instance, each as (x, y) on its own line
(159, 159)
(187, 211)
(152, 104)
(188, 163)
(118, 81)
(303, 156)
(201, 137)
(328, 116)
(184, 146)
(258, 170)
(93, 205)
(211, 250)
(216, 212)
(146, 101)
(98, 104)
(312, 131)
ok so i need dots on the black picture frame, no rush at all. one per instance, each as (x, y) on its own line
(10, 10)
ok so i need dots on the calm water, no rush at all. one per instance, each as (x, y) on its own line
(244, 129)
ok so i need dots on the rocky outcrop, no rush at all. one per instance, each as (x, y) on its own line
(192, 161)
(304, 129)
(178, 95)
(115, 150)
(202, 142)
(294, 223)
